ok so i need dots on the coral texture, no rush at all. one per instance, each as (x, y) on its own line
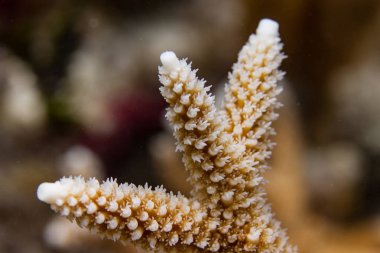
(225, 152)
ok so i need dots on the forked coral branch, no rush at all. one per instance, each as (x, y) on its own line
(225, 152)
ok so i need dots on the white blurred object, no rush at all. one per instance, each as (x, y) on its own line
(79, 160)
(334, 174)
(355, 91)
(356, 95)
(22, 108)
(62, 234)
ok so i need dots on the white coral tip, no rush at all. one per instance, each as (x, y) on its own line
(169, 61)
(267, 28)
(50, 192)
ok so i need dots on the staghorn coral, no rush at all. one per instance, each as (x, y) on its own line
(225, 152)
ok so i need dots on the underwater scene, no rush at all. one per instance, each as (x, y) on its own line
(189, 126)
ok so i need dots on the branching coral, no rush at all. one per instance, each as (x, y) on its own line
(225, 152)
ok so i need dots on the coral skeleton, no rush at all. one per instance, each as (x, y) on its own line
(225, 151)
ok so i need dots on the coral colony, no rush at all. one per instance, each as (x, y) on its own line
(225, 152)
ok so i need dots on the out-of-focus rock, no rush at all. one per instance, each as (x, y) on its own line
(355, 91)
(79, 160)
(22, 110)
(356, 94)
(62, 234)
(335, 175)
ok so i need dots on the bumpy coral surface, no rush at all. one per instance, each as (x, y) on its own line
(225, 152)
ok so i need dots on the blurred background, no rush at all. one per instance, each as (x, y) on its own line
(79, 95)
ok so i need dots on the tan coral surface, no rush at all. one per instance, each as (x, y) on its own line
(225, 152)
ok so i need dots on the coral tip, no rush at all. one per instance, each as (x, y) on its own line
(169, 61)
(267, 28)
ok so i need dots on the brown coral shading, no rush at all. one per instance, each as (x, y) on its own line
(225, 152)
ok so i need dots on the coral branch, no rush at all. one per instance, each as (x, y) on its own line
(250, 96)
(198, 129)
(225, 152)
(126, 212)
